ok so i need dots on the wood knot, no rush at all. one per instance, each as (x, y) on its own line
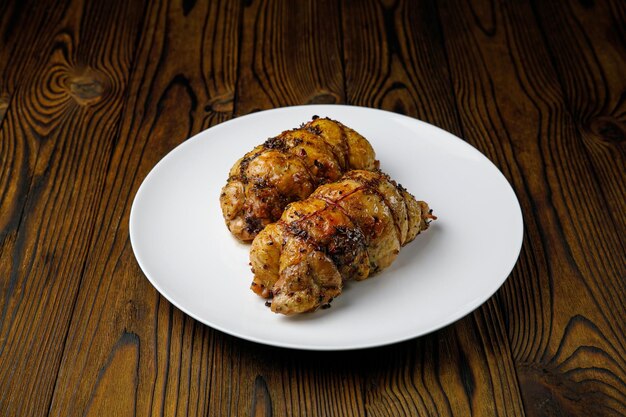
(323, 98)
(221, 104)
(608, 129)
(86, 88)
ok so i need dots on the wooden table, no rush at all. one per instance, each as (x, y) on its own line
(94, 93)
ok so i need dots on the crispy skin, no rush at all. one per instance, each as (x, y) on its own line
(345, 230)
(287, 168)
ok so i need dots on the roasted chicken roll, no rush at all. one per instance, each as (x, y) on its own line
(349, 229)
(289, 167)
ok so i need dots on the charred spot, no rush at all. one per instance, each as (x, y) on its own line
(253, 224)
(284, 200)
(297, 231)
(268, 304)
(318, 164)
(316, 130)
(277, 143)
(315, 117)
(297, 141)
(345, 245)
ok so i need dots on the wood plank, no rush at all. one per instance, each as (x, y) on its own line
(594, 88)
(73, 84)
(21, 44)
(9, 182)
(21, 26)
(560, 303)
(290, 54)
(395, 61)
(124, 335)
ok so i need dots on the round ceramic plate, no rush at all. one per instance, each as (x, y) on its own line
(183, 246)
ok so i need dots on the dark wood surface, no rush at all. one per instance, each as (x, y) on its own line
(94, 93)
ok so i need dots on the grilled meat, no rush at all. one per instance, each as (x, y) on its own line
(287, 168)
(345, 230)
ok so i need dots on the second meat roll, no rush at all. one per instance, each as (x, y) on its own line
(345, 230)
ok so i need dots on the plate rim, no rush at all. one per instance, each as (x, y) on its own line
(455, 316)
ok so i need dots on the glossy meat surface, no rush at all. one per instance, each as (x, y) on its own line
(287, 168)
(349, 229)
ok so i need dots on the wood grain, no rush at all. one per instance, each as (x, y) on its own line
(290, 54)
(465, 368)
(394, 60)
(594, 89)
(76, 86)
(93, 94)
(19, 61)
(123, 331)
(563, 303)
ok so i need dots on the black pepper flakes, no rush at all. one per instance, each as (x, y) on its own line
(295, 230)
(253, 225)
(345, 245)
(314, 129)
(276, 143)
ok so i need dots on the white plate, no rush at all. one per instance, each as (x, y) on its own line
(182, 244)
